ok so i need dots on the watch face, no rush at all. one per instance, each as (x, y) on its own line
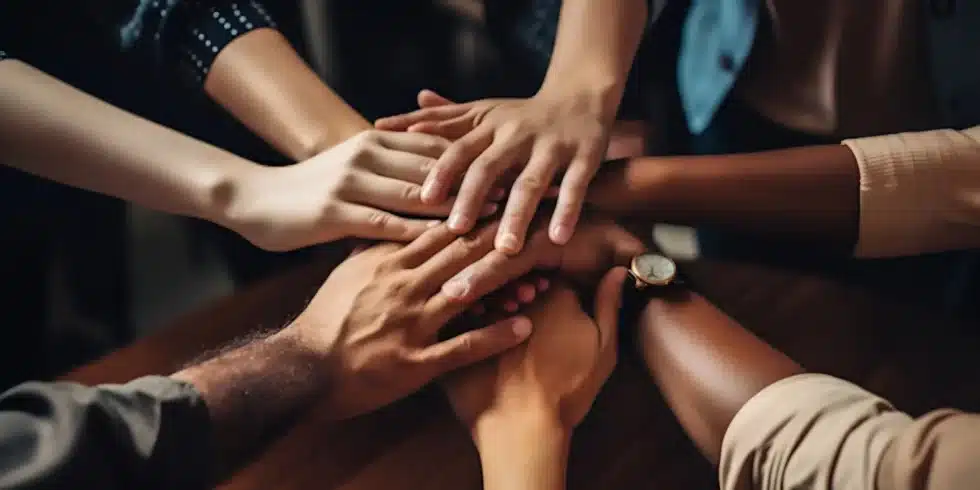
(654, 268)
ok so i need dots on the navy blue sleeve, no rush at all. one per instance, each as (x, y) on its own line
(182, 35)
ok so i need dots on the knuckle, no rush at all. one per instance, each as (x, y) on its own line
(411, 192)
(530, 184)
(380, 219)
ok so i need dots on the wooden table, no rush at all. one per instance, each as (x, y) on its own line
(630, 441)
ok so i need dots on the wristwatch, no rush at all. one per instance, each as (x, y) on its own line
(651, 275)
(652, 270)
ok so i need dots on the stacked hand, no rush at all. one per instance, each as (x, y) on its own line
(367, 187)
(534, 140)
(558, 372)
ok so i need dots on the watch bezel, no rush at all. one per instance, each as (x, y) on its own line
(642, 281)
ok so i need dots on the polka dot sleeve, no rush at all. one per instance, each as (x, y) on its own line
(187, 35)
(211, 28)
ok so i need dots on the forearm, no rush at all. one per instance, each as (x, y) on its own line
(52, 130)
(523, 451)
(603, 36)
(253, 391)
(706, 365)
(807, 193)
(263, 82)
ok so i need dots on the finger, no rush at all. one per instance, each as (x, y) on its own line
(402, 121)
(401, 165)
(390, 194)
(453, 163)
(375, 224)
(474, 346)
(429, 98)
(425, 246)
(571, 196)
(623, 246)
(487, 275)
(427, 145)
(525, 196)
(452, 129)
(480, 178)
(452, 259)
(608, 300)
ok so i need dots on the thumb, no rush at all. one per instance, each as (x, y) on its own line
(428, 98)
(625, 246)
(476, 345)
(608, 300)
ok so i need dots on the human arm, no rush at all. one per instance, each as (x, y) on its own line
(522, 406)
(886, 196)
(768, 425)
(562, 129)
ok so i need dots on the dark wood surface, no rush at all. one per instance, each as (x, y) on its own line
(904, 351)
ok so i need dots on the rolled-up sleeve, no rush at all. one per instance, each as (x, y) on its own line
(818, 432)
(185, 35)
(150, 433)
(809, 431)
(919, 192)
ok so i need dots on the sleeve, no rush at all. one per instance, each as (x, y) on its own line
(150, 433)
(919, 192)
(184, 35)
(819, 432)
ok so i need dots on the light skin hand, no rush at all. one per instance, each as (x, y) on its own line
(522, 406)
(599, 245)
(555, 134)
(366, 187)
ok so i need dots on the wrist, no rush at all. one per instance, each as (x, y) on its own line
(523, 450)
(598, 95)
(636, 187)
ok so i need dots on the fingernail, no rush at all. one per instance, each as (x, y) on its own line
(489, 209)
(508, 242)
(511, 306)
(543, 284)
(433, 224)
(455, 288)
(526, 293)
(458, 222)
(560, 234)
(521, 327)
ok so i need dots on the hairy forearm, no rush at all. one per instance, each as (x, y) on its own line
(594, 50)
(252, 392)
(523, 451)
(706, 365)
(262, 81)
(52, 130)
(803, 193)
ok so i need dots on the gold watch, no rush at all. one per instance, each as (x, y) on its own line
(651, 269)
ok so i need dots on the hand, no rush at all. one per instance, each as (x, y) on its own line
(557, 373)
(350, 190)
(538, 138)
(599, 245)
(374, 324)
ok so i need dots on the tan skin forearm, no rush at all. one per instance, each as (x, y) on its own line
(52, 130)
(523, 451)
(261, 80)
(808, 193)
(594, 50)
(706, 365)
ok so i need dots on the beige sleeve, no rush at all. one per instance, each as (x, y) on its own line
(920, 192)
(940, 451)
(812, 432)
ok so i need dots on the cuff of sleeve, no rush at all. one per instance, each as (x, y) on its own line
(905, 206)
(210, 30)
(806, 429)
(182, 443)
